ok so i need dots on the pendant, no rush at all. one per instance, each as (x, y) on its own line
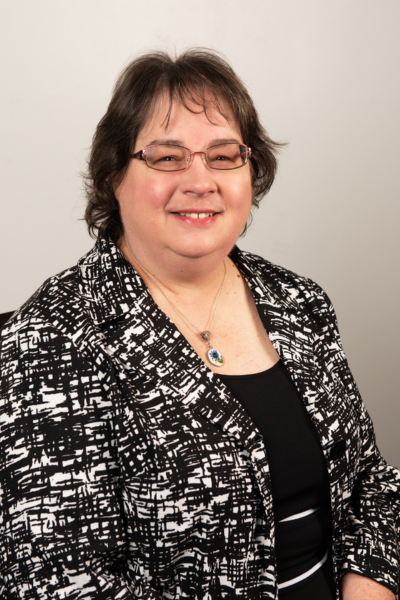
(215, 357)
(206, 335)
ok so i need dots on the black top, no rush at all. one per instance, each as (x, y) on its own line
(299, 476)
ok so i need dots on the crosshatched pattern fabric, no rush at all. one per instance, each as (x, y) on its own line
(128, 470)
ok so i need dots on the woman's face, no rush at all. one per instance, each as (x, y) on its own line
(152, 202)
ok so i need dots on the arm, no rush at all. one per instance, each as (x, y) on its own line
(63, 531)
(369, 553)
(357, 587)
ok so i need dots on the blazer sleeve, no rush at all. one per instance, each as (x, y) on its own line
(62, 528)
(372, 534)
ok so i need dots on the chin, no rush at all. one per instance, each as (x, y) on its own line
(202, 250)
(203, 246)
(192, 254)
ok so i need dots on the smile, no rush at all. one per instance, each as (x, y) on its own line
(196, 215)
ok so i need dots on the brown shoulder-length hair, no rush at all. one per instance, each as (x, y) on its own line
(198, 76)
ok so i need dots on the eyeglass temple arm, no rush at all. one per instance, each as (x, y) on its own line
(140, 155)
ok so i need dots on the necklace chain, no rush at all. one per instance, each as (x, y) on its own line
(177, 309)
(214, 356)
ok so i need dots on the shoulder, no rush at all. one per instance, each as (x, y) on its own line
(280, 280)
(92, 290)
(60, 311)
(59, 294)
(286, 288)
(56, 335)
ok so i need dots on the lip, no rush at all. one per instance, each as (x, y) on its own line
(196, 210)
(195, 220)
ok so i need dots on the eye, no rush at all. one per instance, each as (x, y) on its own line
(171, 157)
(225, 156)
(168, 158)
(222, 157)
(164, 154)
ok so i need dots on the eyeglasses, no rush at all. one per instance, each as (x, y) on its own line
(168, 157)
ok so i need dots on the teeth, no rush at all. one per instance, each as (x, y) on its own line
(196, 215)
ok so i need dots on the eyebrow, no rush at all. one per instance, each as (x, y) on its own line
(215, 142)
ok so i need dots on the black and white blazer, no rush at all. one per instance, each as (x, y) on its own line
(128, 470)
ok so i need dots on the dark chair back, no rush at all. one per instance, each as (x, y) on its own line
(4, 318)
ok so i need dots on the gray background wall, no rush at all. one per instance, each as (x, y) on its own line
(324, 76)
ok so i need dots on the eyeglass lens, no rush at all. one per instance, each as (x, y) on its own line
(164, 157)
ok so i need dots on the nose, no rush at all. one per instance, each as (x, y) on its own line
(198, 179)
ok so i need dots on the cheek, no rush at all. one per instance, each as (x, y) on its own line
(159, 190)
(240, 193)
(152, 193)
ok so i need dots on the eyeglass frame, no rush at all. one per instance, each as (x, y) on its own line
(141, 155)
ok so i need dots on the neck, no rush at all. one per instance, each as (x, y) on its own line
(178, 275)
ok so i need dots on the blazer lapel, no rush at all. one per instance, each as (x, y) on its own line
(149, 347)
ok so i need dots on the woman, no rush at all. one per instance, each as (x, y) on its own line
(178, 417)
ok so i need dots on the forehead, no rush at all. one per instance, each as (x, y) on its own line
(166, 119)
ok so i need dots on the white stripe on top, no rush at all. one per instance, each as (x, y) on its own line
(306, 574)
(315, 567)
(299, 515)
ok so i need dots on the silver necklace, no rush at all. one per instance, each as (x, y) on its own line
(213, 355)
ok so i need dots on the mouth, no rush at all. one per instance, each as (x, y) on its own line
(196, 215)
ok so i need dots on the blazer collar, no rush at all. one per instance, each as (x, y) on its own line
(116, 291)
(109, 282)
(278, 300)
